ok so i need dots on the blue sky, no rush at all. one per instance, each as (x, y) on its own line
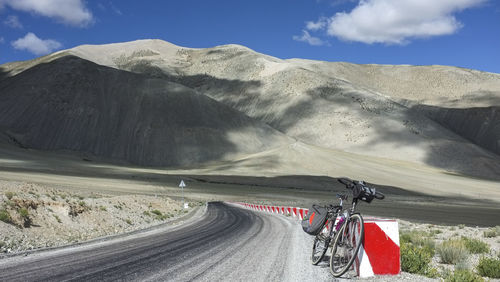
(463, 33)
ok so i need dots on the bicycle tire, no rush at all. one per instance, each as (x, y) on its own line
(345, 250)
(318, 250)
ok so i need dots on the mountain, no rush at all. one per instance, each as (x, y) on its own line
(445, 117)
(73, 104)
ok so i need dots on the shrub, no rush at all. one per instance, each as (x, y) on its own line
(461, 226)
(5, 216)
(489, 267)
(419, 238)
(436, 231)
(415, 259)
(57, 218)
(452, 251)
(82, 203)
(492, 232)
(463, 276)
(476, 246)
(146, 213)
(157, 212)
(23, 212)
(128, 221)
(9, 195)
(103, 208)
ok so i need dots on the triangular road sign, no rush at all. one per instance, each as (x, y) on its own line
(182, 184)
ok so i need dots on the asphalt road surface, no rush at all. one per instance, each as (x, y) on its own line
(225, 243)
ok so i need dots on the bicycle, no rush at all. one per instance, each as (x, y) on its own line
(322, 240)
(345, 227)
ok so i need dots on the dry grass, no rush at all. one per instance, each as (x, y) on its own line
(452, 251)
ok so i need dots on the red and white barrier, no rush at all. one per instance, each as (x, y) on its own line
(379, 253)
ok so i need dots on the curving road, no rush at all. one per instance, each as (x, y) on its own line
(225, 243)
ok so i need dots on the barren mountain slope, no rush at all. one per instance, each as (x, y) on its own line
(73, 104)
(462, 100)
(366, 109)
(315, 106)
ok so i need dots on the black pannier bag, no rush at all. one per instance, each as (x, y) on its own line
(363, 192)
(314, 220)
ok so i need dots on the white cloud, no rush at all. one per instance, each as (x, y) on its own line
(2, 40)
(320, 24)
(72, 12)
(13, 21)
(397, 21)
(35, 45)
(311, 40)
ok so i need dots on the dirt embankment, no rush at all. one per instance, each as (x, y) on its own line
(34, 216)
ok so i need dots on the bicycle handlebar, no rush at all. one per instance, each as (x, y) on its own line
(346, 181)
(351, 184)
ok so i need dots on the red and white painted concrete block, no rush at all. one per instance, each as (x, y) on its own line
(379, 253)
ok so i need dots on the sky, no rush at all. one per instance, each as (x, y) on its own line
(463, 33)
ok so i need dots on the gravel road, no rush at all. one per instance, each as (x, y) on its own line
(225, 243)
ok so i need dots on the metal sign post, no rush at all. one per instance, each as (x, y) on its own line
(182, 185)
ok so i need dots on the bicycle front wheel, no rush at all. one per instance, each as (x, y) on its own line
(346, 245)
(320, 246)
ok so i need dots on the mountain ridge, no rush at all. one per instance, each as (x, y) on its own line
(374, 110)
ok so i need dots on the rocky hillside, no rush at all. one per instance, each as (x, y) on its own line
(73, 104)
(440, 116)
(34, 216)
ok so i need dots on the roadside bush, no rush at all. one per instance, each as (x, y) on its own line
(9, 195)
(157, 212)
(420, 239)
(24, 213)
(452, 251)
(5, 216)
(492, 232)
(476, 246)
(489, 267)
(57, 218)
(159, 215)
(415, 259)
(464, 276)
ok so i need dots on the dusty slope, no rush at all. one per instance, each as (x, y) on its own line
(370, 110)
(73, 104)
(462, 100)
(364, 109)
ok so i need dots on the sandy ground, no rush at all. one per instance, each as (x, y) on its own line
(443, 198)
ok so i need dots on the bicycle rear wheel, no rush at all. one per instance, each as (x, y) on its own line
(321, 243)
(346, 245)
